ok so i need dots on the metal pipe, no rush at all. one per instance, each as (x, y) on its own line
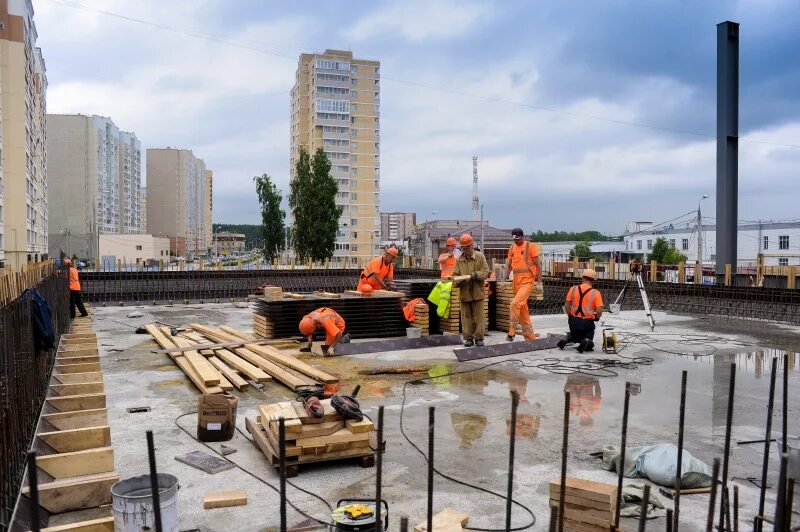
(512, 439)
(33, 490)
(679, 469)
(712, 499)
(379, 472)
(735, 508)
(767, 440)
(155, 491)
(643, 509)
(726, 455)
(431, 423)
(622, 452)
(780, 503)
(562, 492)
(282, 470)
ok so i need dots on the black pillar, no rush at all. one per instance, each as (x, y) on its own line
(727, 143)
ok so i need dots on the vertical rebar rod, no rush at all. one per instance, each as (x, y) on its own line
(727, 452)
(643, 508)
(712, 499)
(735, 508)
(431, 423)
(155, 491)
(562, 493)
(679, 467)
(726, 503)
(512, 439)
(622, 452)
(404, 523)
(379, 472)
(780, 503)
(282, 459)
(553, 519)
(33, 488)
(784, 447)
(789, 502)
(767, 438)
(669, 519)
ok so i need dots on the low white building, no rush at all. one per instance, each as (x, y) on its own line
(130, 248)
(559, 251)
(778, 242)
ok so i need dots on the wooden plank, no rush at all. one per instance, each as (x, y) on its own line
(224, 499)
(582, 502)
(209, 375)
(104, 524)
(165, 342)
(71, 440)
(260, 437)
(77, 389)
(78, 378)
(237, 333)
(79, 348)
(76, 493)
(75, 339)
(359, 427)
(328, 413)
(325, 428)
(78, 463)
(79, 360)
(69, 336)
(76, 368)
(291, 450)
(340, 436)
(576, 512)
(272, 415)
(70, 403)
(588, 489)
(445, 518)
(334, 455)
(251, 371)
(78, 419)
(229, 374)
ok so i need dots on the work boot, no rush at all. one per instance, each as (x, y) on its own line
(509, 338)
(345, 339)
(583, 345)
(478, 343)
(589, 345)
(468, 343)
(562, 343)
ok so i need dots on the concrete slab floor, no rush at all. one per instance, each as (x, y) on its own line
(472, 416)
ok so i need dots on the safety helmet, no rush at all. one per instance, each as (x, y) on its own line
(451, 242)
(307, 326)
(590, 273)
(392, 251)
(466, 239)
(367, 290)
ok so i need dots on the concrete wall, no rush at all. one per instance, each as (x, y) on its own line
(128, 248)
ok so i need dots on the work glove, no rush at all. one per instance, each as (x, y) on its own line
(473, 275)
(329, 352)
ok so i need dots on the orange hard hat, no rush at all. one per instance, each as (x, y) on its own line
(367, 290)
(466, 239)
(451, 242)
(307, 326)
(590, 273)
(392, 251)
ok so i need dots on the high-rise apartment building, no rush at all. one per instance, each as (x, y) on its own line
(177, 207)
(95, 174)
(23, 134)
(209, 199)
(143, 208)
(335, 106)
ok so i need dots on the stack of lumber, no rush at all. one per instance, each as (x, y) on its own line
(221, 369)
(422, 318)
(310, 440)
(75, 459)
(504, 292)
(452, 323)
(588, 506)
(273, 293)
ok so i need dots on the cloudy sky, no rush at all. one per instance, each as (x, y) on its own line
(585, 115)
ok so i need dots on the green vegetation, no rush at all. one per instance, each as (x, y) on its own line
(566, 236)
(664, 253)
(272, 216)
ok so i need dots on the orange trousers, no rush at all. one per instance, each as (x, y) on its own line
(519, 311)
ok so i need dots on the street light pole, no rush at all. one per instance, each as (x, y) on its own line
(700, 231)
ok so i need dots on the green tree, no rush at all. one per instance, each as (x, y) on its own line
(673, 256)
(566, 236)
(659, 251)
(272, 216)
(582, 250)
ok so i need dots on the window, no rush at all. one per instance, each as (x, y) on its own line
(353, 222)
(672, 242)
(353, 95)
(649, 244)
(353, 196)
(138, 248)
(685, 244)
(353, 107)
(355, 234)
(162, 252)
(353, 82)
(353, 68)
(332, 106)
(783, 242)
(783, 261)
(766, 242)
(638, 244)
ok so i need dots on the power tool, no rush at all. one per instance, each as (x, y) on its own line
(610, 340)
(353, 515)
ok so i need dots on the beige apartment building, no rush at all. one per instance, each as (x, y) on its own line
(209, 198)
(95, 175)
(23, 134)
(336, 106)
(178, 185)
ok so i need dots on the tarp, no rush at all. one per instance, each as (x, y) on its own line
(659, 463)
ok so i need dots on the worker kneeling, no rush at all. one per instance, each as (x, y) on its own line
(331, 322)
(584, 306)
(379, 273)
(469, 274)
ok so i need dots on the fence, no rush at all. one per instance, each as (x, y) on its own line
(24, 375)
(12, 284)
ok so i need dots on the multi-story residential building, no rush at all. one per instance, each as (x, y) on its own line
(177, 207)
(143, 208)
(397, 225)
(95, 174)
(228, 243)
(335, 106)
(209, 207)
(23, 134)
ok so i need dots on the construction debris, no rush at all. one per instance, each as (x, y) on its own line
(205, 462)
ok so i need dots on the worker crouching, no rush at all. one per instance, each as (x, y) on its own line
(469, 274)
(328, 320)
(584, 306)
(379, 273)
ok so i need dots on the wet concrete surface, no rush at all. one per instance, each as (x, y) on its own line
(472, 415)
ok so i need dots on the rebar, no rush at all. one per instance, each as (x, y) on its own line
(727, 452)
(379, 471)
(780, 503)
(33, 490)
(562, 490)
(155, 490)
(679, 467)
(712, 499)
(622, 452)
(511, 440)
(282, 470)
(431, 425)
(643, 508)
(767, 440)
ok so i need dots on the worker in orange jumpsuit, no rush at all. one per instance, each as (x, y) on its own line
(329, 321)
(75, 299)
(584, 306)
(523, 261)
(379, 273)
(447, 261)
(584, 397)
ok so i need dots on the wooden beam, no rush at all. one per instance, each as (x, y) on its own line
(77, 389)
(77, 420)
(76, 368)
(71, 440)
(78, 378)
(238, 363)
(105, 524)
(70, 403)
(224, 499)
(78, 350)
(70, 339)
(70, 494)
(78, 463)
(88, 359)
(229, 374)
(237, 333)
(164, 341)
(78, 335)
(208, 373)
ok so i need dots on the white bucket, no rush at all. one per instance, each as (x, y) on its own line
(413, 332)
(133, 504)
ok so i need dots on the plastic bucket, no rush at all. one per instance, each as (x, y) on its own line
(413, 332)
(132, 502)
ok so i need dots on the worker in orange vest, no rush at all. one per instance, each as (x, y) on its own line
(379, 273)
(584, 306)
(328, 320)
(75, 299)
(523, 262)
(447, 261)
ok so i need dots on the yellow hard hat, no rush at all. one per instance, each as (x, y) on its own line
(590, 273)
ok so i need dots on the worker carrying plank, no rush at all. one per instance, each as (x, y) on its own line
(328, 320)
(447, 261)
(584, 306)
(523, 262)
(469, 274)
(379, 273)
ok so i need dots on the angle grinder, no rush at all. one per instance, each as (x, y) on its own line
(354, 515)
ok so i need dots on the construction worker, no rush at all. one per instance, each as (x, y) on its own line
(328, 320)
(584, 306)
(523, 262)
(471, 295)
(379, 273)
(75, 298)
(448, 260)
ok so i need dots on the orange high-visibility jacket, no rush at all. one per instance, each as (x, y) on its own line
(74, 282)
(447, 264)
(522, 257)
(583, 301)
(381, 270)
(330, 320)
